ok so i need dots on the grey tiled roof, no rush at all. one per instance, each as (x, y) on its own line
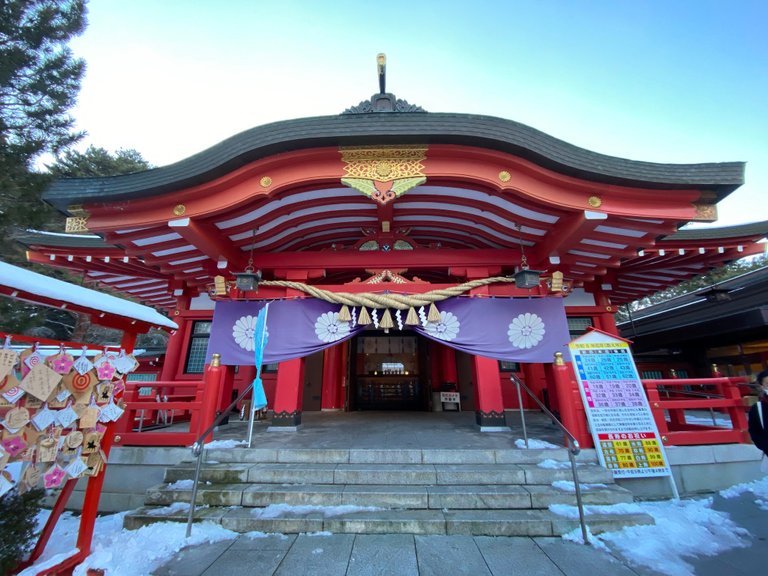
(741, 230)
(62, 240)
(396, 128)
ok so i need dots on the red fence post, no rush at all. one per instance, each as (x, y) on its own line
(212, 381)
(652, 392)
(572, 412)
(737, 413)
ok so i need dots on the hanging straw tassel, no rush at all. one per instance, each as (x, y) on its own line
(412, 319)
(434, 314)
(386, 320)
(363, 319)
(344, 315)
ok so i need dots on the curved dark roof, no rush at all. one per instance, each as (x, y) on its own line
(397, 128)
(55, 240)
(751, 229)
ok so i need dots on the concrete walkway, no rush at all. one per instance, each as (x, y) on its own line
(405, 554)
(394, 555)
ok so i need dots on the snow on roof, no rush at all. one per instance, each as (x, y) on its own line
(34, 283)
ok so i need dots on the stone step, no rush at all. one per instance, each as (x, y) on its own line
(466, 522)
(387, 496)
(368, 456)
(396, 474)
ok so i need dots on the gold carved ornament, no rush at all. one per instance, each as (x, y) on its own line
(383, 173)
(78, 221)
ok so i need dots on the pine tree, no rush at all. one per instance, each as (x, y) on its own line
(39, 83)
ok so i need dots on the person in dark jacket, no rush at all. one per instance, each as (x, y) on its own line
(758, 423)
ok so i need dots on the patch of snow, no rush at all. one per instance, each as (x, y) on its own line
(281, 510)
(224, 445)
(573, 512)
(256, 534)
(576, 536)
(321, 533)
(534, 444)
(50, 563)
(170, 509)
(569, 486)
(121, 552)
(34, 283)
(758, 487)
(553, 464)
(317, 551)
(132, 552)
(691, 525)
(181, 485)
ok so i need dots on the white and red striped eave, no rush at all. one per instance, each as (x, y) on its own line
(320, 228)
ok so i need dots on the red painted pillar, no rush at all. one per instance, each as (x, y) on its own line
(225, 392)
(174, 353)
(332, 377)
(213, 378)
(571, 409)
(345, 359)
(128, 342)
(489, 402)
(489, 399)
(288, 394)
(448, 365)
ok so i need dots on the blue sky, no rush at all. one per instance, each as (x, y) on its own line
(662, 81)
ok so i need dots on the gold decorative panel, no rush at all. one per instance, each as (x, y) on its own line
(705, 212)
(383, 172)
(75, 224)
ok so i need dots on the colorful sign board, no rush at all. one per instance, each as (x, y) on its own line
(622, 425)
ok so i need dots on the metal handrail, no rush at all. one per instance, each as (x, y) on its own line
(573, 447)
(197, 450)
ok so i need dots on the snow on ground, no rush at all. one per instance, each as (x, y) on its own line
(534, 444)
(759, 488)
(225, 444)
(553, 464)
(181, 485)
(170, 509)
(570, 486)
(282, 510)
(123, 552)
(683, 529)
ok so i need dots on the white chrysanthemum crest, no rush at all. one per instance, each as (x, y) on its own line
(446, 329)
(526, 331)
(243, 331)
(329, 328)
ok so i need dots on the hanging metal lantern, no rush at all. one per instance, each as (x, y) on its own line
(248, 280)
(526, 278)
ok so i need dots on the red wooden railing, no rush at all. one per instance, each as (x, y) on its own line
(676, 396)
(190, 404)
(720, 394)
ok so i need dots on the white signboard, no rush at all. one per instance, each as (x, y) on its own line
(624, 431)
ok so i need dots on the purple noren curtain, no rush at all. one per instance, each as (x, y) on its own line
(513, 329)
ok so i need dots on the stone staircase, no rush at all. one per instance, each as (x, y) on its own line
(471, 492)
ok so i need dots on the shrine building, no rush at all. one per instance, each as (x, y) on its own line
(405, 253)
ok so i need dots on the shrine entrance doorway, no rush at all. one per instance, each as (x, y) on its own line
(389, 372)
